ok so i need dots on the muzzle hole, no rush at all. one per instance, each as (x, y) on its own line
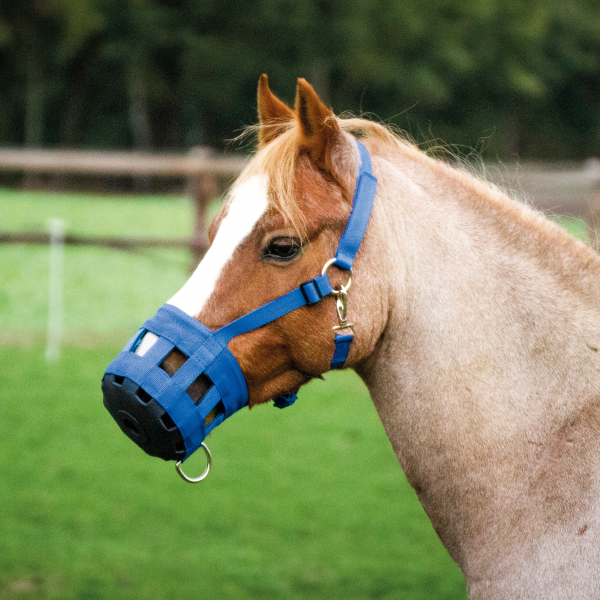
(132, 427)
(173, 361)
(119, 379)
(180, 448)
(143, 396)
(218, 410)
(199, 387)
(167, 422)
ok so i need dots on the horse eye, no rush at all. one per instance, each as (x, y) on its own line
(282, 249)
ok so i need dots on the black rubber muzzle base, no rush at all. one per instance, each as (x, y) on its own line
(141, 418)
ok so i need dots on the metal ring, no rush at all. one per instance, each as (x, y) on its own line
(203, 476)
(344, 289)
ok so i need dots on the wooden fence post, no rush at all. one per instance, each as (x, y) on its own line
(203, 189)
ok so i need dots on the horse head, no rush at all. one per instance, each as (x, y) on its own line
(279, 264)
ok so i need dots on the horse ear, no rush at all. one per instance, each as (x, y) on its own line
(273, 114)
(318, 128)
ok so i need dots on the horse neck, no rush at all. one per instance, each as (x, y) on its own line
(481, 282)
(492, 340)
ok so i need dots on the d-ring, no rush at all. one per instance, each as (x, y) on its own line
(203, 476)
(343, 289)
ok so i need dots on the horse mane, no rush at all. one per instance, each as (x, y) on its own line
(278, 161)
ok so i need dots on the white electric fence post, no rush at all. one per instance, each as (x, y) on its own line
(55, 289)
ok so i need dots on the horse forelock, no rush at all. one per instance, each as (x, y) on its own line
(278, 161)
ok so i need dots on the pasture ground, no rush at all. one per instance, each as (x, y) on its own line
(303, 503)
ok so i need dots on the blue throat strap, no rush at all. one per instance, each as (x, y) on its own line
(140, 380)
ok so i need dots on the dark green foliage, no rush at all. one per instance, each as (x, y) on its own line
(522, 74)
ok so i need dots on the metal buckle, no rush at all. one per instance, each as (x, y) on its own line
(343, 289)
(341, 299)
(305, 295)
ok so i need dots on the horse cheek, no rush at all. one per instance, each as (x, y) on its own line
(310, 339)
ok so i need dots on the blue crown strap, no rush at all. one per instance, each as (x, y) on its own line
(362, 203)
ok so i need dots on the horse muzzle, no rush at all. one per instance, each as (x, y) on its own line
(155, 408)
(161, 412)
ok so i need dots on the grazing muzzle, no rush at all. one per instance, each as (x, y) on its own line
(161, 413)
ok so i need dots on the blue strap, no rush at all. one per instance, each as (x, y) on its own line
(342, 347)
(285, 401)
(308, 293)
(313, 291)
(362, 203)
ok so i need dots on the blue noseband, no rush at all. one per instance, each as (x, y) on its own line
(156, 410)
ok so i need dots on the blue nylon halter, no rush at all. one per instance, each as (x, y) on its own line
(207, 351)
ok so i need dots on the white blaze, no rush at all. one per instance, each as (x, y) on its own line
(248, 204)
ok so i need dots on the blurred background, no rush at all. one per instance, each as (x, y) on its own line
(512, 78)
(115, 126)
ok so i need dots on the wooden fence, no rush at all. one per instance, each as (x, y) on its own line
(200, 167)
(571, 189)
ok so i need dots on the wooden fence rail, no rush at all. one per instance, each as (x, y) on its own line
(115, 242)
(571, 189)
(200, 167)
(200, 161)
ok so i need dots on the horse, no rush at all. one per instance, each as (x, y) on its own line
(476, 331)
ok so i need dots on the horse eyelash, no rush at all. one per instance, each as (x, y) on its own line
(294, 242)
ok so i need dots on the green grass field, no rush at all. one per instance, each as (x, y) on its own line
(304, 503)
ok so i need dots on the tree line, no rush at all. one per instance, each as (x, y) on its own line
(506, 77)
